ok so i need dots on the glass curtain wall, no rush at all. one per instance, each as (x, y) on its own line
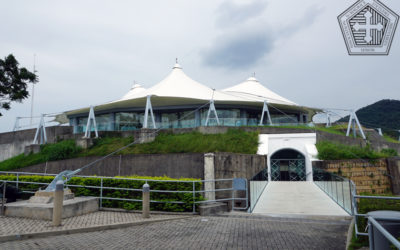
(125, 121)
(185, 119)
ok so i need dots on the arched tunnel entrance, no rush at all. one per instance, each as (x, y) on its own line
(288, 165)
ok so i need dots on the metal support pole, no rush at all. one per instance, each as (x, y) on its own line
(148, 108)
(265, 109)
(212, 109)
(371, 235)
(233, 199)
(343, 194)
(119, 165)
(16, 125)
(3, 199)
(101, 193)
(194, 198)
(91, 122)
(17, 181)
(58, 203)
(40, 135)
(328, 120)
(146, 201)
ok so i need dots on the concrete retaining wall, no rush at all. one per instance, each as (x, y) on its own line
(13, 143)
(172, 165)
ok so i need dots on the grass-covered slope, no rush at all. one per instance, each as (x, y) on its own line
(334, 151)
(234, 141)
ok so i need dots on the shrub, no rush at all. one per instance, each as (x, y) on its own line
(135, 183)
(59, 151)
(334, 151)
(49, 152)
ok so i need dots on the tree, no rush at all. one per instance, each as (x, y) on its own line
(13, 82)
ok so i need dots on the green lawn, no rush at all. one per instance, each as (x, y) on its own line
(234, 141)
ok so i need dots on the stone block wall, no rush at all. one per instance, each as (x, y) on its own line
(369, 176)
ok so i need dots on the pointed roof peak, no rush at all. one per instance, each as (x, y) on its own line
(252, 79)
(177, 65)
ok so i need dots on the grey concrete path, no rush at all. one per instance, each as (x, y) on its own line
(203, 233)
(12, 228)
(297, 198)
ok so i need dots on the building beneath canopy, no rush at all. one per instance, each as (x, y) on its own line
(181, 102)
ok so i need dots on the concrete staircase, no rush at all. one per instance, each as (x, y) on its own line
(297, 199)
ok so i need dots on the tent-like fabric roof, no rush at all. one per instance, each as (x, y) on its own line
(253, 89)
(178, 89)
(178, 85)
(135, 90)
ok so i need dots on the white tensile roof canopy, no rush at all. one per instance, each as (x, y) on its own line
(179, 89)
(253, 89)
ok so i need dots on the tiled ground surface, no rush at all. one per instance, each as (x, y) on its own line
(203, 233)
(15, 226)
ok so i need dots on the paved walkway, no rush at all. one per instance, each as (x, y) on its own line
(297, 198)
(203, 233)
(12, 227)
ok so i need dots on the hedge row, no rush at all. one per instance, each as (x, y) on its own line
(154, 183)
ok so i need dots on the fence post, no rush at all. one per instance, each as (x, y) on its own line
(233, 197)
(371, 235)
(17, 180)
(3, 199)
(146, 201)
(101, 192)
(194, 198)
(58, 203)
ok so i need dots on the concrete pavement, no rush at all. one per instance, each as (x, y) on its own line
(297, 198)
(232, 232)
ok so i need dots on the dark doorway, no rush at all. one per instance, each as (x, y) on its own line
(288, 165)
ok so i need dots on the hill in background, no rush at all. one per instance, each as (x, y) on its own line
(384, 114)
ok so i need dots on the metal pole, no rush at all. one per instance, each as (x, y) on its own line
(101, 192)
(233, 197)
(371, 235)
(146, 201)
(3, 198)
(119, 165)
(343, 194)
(247, 195)
(194, 198)
(17, 181)
(58, 203)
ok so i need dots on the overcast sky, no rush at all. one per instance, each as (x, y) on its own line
(91, 52)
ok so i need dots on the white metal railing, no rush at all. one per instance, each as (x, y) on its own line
(339, 189)
(256, 190)
(378, 236)
(229, 191)
(344, 192)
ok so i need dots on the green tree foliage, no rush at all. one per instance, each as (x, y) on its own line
(13, 82)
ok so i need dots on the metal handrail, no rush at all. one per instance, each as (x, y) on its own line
(119, 178)
(383, 231)
(102, 187)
